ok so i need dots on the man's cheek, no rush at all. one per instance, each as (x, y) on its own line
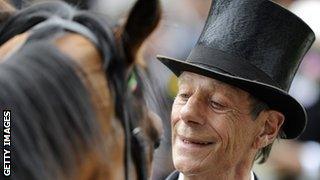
(174, 114)
(224, 131)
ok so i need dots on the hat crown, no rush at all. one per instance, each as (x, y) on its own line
(258, 33)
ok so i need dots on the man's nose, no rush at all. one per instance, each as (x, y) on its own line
(193, 111)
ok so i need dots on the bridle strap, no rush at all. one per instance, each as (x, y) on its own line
(68, 25)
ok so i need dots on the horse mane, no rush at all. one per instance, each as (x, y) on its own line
(6, 10)
(52, 115)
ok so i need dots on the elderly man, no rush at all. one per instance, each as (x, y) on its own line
(232, 101)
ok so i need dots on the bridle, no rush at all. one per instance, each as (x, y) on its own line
(55, 26)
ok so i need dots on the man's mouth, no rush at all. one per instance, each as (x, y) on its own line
(196, 142)
(191, 141)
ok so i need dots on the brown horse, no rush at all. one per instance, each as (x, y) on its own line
(64, 75)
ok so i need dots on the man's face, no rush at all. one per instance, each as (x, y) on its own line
(212, 129)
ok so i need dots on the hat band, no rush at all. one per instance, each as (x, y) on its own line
(235, 66)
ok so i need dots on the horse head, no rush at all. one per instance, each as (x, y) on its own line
(80, 117)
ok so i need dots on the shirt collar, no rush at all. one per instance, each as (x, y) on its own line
(252, 175)
(181, 176)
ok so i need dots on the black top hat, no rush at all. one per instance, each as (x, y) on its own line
(257, 46)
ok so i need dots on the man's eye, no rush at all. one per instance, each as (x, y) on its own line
(184, 96)
(217, 106)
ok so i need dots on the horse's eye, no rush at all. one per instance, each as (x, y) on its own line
(157, 143)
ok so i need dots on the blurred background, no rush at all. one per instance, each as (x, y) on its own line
(181, 25)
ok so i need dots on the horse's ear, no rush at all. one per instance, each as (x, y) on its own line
(142, 20)
(6, 11)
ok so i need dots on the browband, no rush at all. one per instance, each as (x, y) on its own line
(68, 25)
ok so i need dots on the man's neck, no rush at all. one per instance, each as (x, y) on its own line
(240, 172)
(221, 177)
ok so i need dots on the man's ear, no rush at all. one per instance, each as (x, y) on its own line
(271, 123)
(142, 20)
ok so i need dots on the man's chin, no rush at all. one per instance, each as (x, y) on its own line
(188, 165)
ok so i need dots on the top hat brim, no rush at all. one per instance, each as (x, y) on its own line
(277, 99)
